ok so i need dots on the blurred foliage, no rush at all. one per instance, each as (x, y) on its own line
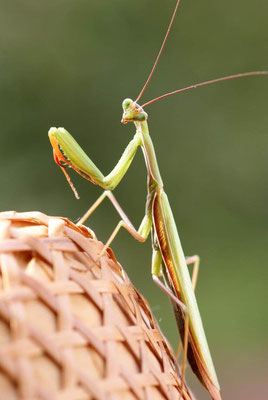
(71, 63)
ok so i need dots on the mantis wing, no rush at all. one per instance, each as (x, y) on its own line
(179, 278)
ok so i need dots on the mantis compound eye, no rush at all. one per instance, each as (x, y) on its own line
(142, 116)
(126, 103)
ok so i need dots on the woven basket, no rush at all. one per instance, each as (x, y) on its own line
(72, 326)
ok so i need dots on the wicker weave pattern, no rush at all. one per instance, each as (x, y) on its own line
(72, 326)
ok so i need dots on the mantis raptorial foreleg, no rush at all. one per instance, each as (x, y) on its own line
(68, 153)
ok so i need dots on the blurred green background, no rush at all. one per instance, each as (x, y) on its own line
(71, 63)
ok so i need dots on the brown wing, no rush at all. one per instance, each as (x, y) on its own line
(193, 354)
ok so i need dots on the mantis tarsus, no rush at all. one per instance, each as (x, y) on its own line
(168, 258)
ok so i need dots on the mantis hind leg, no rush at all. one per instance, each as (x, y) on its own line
(195, 260)
(157, 272)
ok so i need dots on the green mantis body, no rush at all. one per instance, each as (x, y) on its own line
(168, 256)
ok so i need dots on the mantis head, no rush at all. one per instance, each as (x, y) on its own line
(132, 112)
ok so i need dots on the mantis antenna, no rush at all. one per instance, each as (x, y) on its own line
(159, 53)
(194, 86)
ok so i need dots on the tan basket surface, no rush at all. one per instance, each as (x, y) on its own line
(72, 326)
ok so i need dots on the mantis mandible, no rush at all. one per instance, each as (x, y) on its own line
(168, 259)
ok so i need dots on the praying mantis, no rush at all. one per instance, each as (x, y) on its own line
(168, 258)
